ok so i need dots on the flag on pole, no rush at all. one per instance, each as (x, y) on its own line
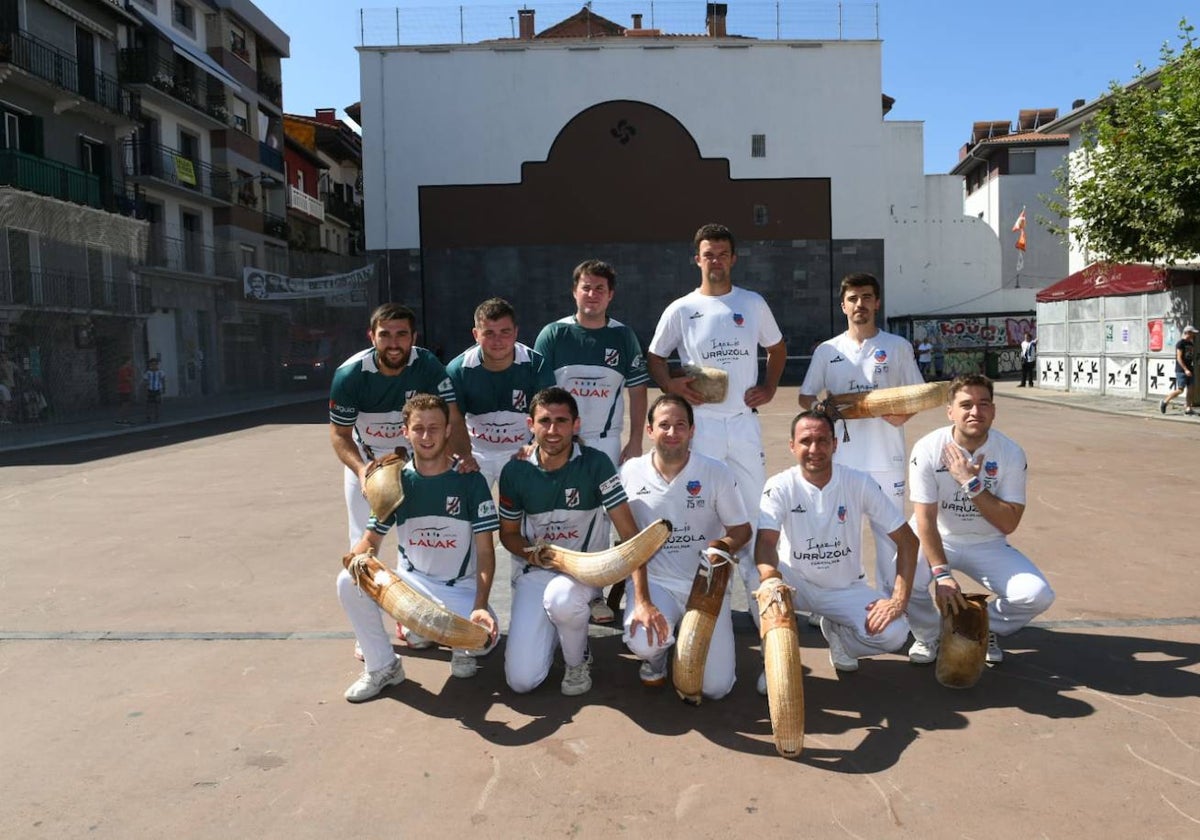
(1019, 228)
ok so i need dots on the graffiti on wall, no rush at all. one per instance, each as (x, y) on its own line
(1008, 360)
(1052, 372)
(1122, 374)
(975, 332)
(963, 362)
(1160, 375)
(1085, 374)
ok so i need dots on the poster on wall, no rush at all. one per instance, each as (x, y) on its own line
(1156, 335)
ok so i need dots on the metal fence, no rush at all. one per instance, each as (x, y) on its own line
(425, 23)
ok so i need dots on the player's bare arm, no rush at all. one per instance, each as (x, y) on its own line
(762, 394)
(898, 419)
(512, 538)
(660, 372)
(1005, 516)
(485, 571)
(369, 543)
(460, 441)
(737, 536)
(623, 521)
(766, 553)
(342, 439)
(947, 593)
(883, 612)
(637, 422)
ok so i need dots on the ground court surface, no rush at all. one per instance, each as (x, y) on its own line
(173, 656)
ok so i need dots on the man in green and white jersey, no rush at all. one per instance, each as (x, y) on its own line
(444, 530)
(494, 382)
(368, 394)
(559, 495)
(597, 359)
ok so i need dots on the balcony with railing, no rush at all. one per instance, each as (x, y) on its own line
(298, 199)
(346, 211)
(76, 292)
(268, 156)
(61, 69)
(182, 82)
(270, 87)
(143, 159)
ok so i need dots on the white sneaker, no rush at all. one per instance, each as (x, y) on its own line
(922, 653)
(413, 639)
(651, 676)
(838, 657)
(761, 685)
(577, 680)
(463, 665)
(994, 653)
(601, 612)
(373, 682)
(814, 619)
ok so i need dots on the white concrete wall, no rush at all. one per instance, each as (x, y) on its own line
(474, 114)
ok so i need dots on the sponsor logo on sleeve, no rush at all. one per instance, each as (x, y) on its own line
(486, 509)
(610, 484)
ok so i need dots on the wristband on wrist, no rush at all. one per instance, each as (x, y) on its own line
(973, 487)
(941, 573)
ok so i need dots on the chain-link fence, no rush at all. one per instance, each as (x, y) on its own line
(450, 23)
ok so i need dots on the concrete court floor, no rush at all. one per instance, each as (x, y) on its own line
(172, 658)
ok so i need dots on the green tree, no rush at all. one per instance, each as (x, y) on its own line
(1131, 193)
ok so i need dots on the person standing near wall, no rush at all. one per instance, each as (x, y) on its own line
(1184, 353)
(1028, 361)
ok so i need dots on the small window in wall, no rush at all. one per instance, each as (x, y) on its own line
(760, 214)
(237, 42)
(12, 130)
(249, 255)
(241, 115)
(1021, 162)
(183, 15)
(758, 145)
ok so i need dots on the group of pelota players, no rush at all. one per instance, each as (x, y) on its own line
(545, 424)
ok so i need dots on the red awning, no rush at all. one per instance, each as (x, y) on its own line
(1107, 280)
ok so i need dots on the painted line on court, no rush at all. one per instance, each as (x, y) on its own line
(318, 635)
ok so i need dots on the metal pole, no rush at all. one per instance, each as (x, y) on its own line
(362, 37)
(397, 26)
(461, 35)
(777, 35)
(652, 14)
(839, 20)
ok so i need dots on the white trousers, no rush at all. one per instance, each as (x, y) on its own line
(718, 666)
(365, 614)
(1022, 591)
(848, 606)
(549, 610)
(358, 512)
(737, 441)
(892, 482)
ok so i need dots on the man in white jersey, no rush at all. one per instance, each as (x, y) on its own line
(444, 529)
(810, 530)
(967, 485)
(558, 495)
(494, 382)
(864, 358)
(699, 497)
(721, 325)
(368, 394)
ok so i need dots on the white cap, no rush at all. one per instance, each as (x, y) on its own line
(1189, 329)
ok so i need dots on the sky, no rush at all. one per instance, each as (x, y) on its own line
(946, 63)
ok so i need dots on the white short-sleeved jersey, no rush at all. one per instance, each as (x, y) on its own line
(721, 331)
(842, 366)
(820, 528)
(700, 503)
(1003, 472)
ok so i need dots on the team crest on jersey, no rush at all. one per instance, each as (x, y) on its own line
(453, 505)
(444, 387)
(693, 488)
(408, 395)
(738, 319)
(991, 468)
(612, 357)
(572, 495)
(880, 356)
(841, 513)
(520, 401)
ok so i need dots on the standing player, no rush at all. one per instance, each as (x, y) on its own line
(366, 398)
(444, 528)
(558, 495)
(864, 358)
(493, 383)
(967, 484)
(810, 529)
(722, 325)
(597, 359)
(699, 497)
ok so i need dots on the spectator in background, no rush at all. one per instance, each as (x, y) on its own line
(155, 382)
(925, 358)
(125, 392)
(1028, 361)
